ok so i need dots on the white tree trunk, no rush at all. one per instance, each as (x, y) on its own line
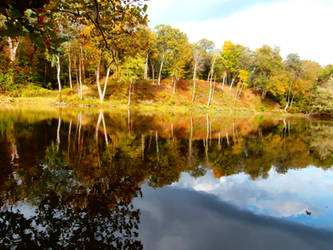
(161, 67)
(153, 72)
(146, 67)
(76, 73)
(211, 72)
(214, 84)
(13, 45)
(106, 83)
(58, 74)
(101, 119)
(80, 79)
(292, 101)
(174, 85)
(58, 134)
(129, 94)
(194, 83)
(210, 91)
(98, 69)
(70, 69)
(232, 82)
(224, 77)
(82, 64)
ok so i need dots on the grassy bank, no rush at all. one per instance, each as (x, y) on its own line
(149, 97)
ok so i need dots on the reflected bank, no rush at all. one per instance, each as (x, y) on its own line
(75, 179)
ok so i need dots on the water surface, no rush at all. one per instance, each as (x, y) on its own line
(125, 180)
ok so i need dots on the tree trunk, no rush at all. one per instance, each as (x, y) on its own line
(98, 69)
(211, 72)
(58, 134)
(146, 67)
(207, 136)
(214, 84)
(161, 67)
(241, 90)
(13, 45)
(82, 65)
(142, 146)
(236, 93)
(104, 129)
(190, 143)
(153, 72)
(232, 82)
(70, 69)
(106, 83)
(292, 101)
(288, 98)
(210, 92)
(129, 119)
(58, 75)
(129, 94)
(76, 73)
(157, 146)
(208, 76)
(69, 136)
(194, 83)
(80, 78)
(224, 77)
(174, 85)
(101, 119)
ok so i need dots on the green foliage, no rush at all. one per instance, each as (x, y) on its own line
(323, 99)
(114, 32)
(5, 82)
(326, 74)
(171, 101)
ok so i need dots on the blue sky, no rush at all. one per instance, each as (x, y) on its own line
(296, 26)
(171, 11)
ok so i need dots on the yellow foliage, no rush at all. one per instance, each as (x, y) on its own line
(278, 83)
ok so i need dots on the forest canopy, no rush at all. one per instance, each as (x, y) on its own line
(55, 44)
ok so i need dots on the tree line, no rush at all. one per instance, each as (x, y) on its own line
(56, 44)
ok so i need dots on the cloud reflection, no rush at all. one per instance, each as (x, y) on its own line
(174, 218)
(288, 195)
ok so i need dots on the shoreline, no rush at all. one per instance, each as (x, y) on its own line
(143, 107)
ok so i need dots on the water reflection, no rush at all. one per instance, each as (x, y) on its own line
(283, 196)
(182, 219)
(69, 179)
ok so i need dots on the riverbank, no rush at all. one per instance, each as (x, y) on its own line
(148, 97)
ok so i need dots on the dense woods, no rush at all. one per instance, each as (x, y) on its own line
(70, 45)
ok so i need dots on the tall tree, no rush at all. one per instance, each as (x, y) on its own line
(267, 63)
(197, 54)
(167, 39)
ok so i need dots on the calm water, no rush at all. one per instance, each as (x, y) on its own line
(98, 180)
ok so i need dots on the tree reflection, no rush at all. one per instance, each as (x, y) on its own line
(81, 187)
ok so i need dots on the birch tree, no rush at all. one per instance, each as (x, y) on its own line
(197, 65)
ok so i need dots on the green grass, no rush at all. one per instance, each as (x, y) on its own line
(148, 97)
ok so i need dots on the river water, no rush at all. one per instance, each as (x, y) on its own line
(84, 179)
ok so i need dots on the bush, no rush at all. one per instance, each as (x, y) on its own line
(5, 83)
(171, 101)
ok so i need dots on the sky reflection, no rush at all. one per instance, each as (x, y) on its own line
(285, 196)
(173, 218)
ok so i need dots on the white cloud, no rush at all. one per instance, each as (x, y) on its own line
(280, 195)
(297, 26)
